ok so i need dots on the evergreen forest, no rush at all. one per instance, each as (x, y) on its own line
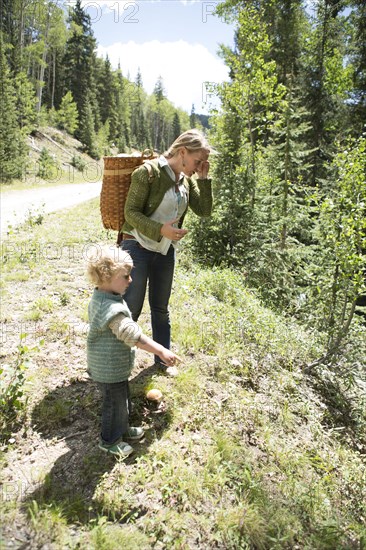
(51, 75)
(290, 185)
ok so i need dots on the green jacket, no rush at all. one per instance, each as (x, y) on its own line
(109, 360)
(144, 197)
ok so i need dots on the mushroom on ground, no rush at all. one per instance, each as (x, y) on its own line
(154, 395)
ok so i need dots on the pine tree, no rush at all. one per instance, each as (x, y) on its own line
(176, 126)
(192, 117)
(12, 23)
(79, 68)
(157, 115)
(26, 101)
(57, 37)
(339, 273)
(123, 131)
(324, 80)
(13, 151)
(287, 27)
(159, 91)
(67, 115)
(137, 100)
(107, 92)
(87, 130)
(357, 54)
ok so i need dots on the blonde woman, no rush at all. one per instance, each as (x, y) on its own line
(154, 213)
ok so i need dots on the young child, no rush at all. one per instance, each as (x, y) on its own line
(110, 347)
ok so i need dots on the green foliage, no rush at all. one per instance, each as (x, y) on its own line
(13, 398)
(67, 115)
(34, 216)
(136, 97)
(102, 141)
(339, 273)
(13, 151)
(48, 167)
(47, 117)
(78, 162)
(176, 126)
(107, 95)
(87, 132)
(337, 79)
(79, 70)
(58, 80)
(25, 103)
(325, 76)
(105, 535)
(357, 56)
(283, 104)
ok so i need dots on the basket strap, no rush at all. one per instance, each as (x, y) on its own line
(119, 171)
(147, 154)
(150, 171)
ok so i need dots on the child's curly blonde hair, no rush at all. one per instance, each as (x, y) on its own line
(105, 262)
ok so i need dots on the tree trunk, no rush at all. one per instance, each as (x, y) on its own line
(40, 82)
(53, 79)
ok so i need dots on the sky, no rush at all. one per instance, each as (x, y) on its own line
(175, 39)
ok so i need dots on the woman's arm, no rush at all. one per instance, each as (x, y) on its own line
(200, 196)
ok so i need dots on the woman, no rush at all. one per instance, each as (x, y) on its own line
(154, 212)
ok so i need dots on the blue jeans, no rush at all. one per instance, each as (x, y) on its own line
(116, 408)
(158, 270)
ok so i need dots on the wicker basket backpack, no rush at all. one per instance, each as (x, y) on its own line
(116, 183)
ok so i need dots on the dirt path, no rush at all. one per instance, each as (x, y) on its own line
(16, 206)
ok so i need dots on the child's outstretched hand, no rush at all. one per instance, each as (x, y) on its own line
(169, 358)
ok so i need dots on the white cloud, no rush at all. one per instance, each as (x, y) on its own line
(183, 67)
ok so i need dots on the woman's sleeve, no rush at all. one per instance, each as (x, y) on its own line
(125, 329)
(136, 201)
(200, 196)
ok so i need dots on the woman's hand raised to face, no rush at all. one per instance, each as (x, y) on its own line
(202, 170)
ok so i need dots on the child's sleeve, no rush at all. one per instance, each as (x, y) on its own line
(125, 329)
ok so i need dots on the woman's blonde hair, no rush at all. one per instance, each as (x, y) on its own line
(104, 262)
(193, 140)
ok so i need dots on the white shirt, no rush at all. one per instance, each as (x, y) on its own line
(172, 206)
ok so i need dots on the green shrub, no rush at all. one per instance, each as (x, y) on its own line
(78, 163)
(48, 167)
(12, 402)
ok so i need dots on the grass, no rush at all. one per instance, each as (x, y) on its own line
(248, 452)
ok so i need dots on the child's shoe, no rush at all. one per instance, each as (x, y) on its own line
(120, 449)
(134, 434)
